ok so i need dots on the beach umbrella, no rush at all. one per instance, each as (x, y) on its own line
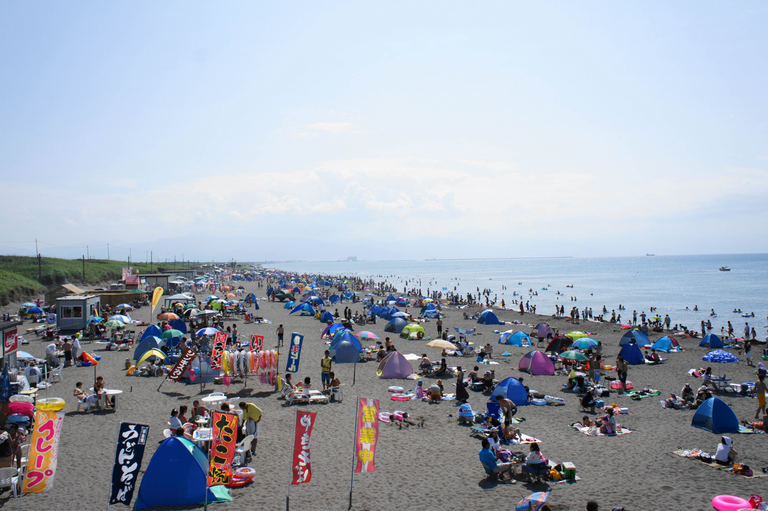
(584, 343)
(532, 502)
(95, 319)
(576, 335)
(23, 355)
(720, 357)
(171, 333)
(442, 345)
(122, 318)
(125, 306)
(365, 334)
(29, 304)
(574, 355)
(167, 316)
(114, 323)
(212, 297)
(209, 330)
(34, 310)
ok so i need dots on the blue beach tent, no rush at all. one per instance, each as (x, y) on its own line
(290, 304)
(176, 476)
(326, 317)
(178, 324)
(515, 339)
(147, 344)
(395, 325)
(512, 389)
(632, 354)
(304, 309)
(346, 352)
(487, 317)
(711, 341)
(664, 344)
(150, 331)
(639, 337)
(345, 335)
(716, 416)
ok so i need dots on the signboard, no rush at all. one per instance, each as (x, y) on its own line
(182, 364)
(257, 342)
(131, 441)
(223, 448)
(302, 470)
(43, 451)
(219, 345)
(294, 353)
(367, 434)
(10, 342)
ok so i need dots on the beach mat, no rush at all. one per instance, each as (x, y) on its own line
(588, 431)
(693, 454)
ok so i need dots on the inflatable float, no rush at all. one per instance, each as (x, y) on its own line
(395, 388)
(400, 397)
(616, 385)
(554, 401)
(51, 404)
(241, 477)
(730, 503)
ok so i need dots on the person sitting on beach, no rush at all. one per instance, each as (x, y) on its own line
(472, 376)
(334, 387)
(588, 401)
(708, 376)
(425, 365)
(725, 454)
(174, 422)
(702, 394)
(535, 462)
(183, 414)
(435, 392)
(608, 424)
(760, 425)
(653, 357)
(82, 397)
(488, 381)
(672, 402)
(686, 394)
(510, 432)
(443, 369)
(488, 459)
(198, 410)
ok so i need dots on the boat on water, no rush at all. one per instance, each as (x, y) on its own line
(725, 268)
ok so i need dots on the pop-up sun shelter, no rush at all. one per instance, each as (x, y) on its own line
(150, 331)
(512, 389)
(304, 309)
(413, 331)
(487, 317)
(559, 344)
(394, 365)
(395, 325)
(711, 341)
(326, 317)
(176, 476)
(146, 345)
(716, 416)
(665, 344)
(639, 337)
(536, 362)
(632, 354)
(515, 338)
(346, 352)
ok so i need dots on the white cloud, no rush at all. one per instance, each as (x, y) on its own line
(320, 128)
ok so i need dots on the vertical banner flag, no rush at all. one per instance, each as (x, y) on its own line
(181, 366)
(156, 294)
(130, 450)
(43, 451)
(223, 448)
(294, 354)
(127, 273)
(367, 434)
(302, 470)
(10, 342)
(219, 345)
(257, 342)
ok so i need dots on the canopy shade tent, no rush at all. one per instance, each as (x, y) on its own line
(326, 317)
(304, 309)
(543, 330)
(147, 344)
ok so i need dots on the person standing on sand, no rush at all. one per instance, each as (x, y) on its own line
(439, 325)
(280, 333)
(251, 418)
(621, 370)
(760, 390)
(325, 369)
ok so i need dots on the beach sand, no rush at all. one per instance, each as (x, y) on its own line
(435, 467)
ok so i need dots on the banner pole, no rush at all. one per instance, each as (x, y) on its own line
(354, 448)
(290, 465)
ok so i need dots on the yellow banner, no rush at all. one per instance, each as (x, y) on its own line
(43, 450)
(156, 294)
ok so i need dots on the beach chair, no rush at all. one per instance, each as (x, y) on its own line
(242, 451)
(292, 396)
(10, 478)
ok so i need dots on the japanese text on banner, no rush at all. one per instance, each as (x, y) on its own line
(367, 434)
(302, 469)
(181, 366)
(222, 448)
(43, 450)
(131, 441)
(257, 342)
(294, 353)
(219, 345)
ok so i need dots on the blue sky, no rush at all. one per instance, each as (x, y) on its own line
(317, 130)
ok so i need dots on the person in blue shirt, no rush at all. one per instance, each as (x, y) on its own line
(488, 459)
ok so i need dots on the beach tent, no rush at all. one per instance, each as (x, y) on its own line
(176, 476)
(559, 344)
(716, 416)
(290, 304)
(345, 335)
(632, 354)
(326, 317)
(543, 330)
(334, 299)
(634, 335)
(431, 314)
(711, 341)
(150, 343)
(515, 338)
(304, 309)
(346, 352)
(331, 330)
(487, 317)
(394, 365)
(152, 330)
(395, 325)
(512, 389)
(413, 331)
(664, 344)
(250, 298)
(536, 362)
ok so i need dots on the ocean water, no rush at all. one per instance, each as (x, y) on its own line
(669, 283)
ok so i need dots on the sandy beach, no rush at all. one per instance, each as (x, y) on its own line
(429, 468)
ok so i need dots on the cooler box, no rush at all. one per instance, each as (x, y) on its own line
(569, 470)
(599, 403)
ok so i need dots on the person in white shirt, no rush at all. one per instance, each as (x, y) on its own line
(725, 454)
(32, 373)
(174, 422)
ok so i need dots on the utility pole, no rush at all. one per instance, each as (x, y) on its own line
(129, 257)
(39, 263)
(151, 255)
(107, 251)
(83, 267)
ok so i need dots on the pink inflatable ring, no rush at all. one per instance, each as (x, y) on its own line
(730, 503)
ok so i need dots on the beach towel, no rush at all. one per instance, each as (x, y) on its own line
(524, 439)
(694, 455)
(639, 395)
(593, 431)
